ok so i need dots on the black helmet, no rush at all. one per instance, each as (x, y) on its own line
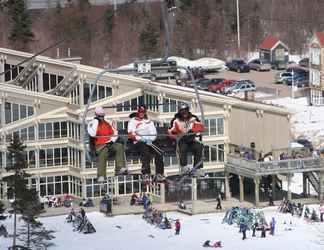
(183, 106)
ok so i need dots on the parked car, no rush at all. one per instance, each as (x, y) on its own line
(258, 65)
(278, 65)
(306, 143)
(202, 84)
(243, 88)
(236, 84)
(218, 85)
(281, 76)
(299, 80)
(304, 62)
(238, 66)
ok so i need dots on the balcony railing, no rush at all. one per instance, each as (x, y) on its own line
(283, 166)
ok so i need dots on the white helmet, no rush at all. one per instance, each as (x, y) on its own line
(99, 111)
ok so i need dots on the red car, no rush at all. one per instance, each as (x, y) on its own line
(218, 85)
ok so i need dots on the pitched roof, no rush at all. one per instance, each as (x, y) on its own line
(269, 42)
(320, 37)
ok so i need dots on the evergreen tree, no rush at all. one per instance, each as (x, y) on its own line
(149, 41)
(21, 23)
(26, 200)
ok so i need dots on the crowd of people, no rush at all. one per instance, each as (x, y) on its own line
(57, 201)
(80, 222)
(141, 200)
(185, 128)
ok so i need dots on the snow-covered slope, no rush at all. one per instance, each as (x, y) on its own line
(306, 121)
(136, 234)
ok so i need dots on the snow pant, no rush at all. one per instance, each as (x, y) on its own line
(263, 234)
(147, 152)
(253, 232)
(116, 149)
(321, 217)
(244, 234)
(177, 231)
(192, 146)
(219, 206)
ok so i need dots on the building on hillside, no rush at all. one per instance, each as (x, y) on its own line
(43, 102)
(274, 51)
(316, 57)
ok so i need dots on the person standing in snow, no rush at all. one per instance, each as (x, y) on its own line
(219, 200)
(254, 227)
(263, 231)
(142, 132)
(188, 126)
(322, 211)
(177, 227)
(272, 226)
(102, 140)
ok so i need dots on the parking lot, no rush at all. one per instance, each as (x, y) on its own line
(264, 81)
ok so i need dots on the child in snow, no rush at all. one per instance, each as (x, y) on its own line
(177, 227)
(244, 228)
(263, 231)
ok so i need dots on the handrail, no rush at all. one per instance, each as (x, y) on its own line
(282, 165)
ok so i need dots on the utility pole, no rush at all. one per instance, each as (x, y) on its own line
(238, 28)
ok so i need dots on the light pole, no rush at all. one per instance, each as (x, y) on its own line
(238, 28)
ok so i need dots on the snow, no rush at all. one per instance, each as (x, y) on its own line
(306, 121)
(207, 63)
(135, 233)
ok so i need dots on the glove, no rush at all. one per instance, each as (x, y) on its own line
(146, 141)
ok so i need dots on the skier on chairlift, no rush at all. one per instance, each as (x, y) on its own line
(188, 127)
(103, 138)
(142, 132)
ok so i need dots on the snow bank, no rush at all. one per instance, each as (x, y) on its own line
(306, 121)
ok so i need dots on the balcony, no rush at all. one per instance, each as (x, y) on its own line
(251, 168)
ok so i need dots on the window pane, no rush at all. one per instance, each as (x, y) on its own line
(63, 129)
(60, 78)
(127, 106)
(31, 156)
(220, 126)
(31, 133)
(23, 111)
(173, 105)
(206, 153)
(134, 103)
(41, 131)
(43, 190)
(86, 92)
(15, 112)
(212, 126)
(94, 96)
(58, 188)
(213, 154)
(46, 85)
(57, 156)
(64, 156)
(42, 158)
(108, 91)
(56, 129)
(53, 81)
(221, 153)
(50, 189)
(49, 156)
(8, 112)
(65, 188)
(30, 111)
(101, 92)
(166, 105)
(49, 131)
(8, 73)
(23, 134)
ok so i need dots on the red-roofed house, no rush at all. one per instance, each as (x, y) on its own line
(273, 51)
(316, 69)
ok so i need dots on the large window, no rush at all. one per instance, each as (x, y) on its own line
(214, 153)
(25, 134)
(214, 126)
(15, 112)
(62, 129)
(12, 73)
(54, 185)
(130, 105)
(100, 92)
(172, 105)
(50, 81)
(54, 157)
